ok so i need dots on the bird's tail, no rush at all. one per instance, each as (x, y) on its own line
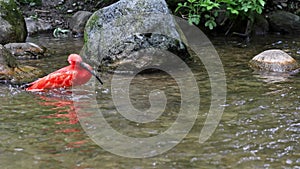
(24, 86)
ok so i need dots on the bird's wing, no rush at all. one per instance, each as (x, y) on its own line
(56, 79)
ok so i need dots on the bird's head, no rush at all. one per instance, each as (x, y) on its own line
(74, 59)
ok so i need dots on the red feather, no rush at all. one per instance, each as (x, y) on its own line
(65, 77)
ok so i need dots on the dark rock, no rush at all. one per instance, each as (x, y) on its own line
(261, 25)
(274, 61)
(13, 27)
(37, 25)
(78, 21)
(12, 72)
(284, 22)
(115, 34)
(26, 50)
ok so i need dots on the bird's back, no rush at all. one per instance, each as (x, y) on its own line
(61, 78)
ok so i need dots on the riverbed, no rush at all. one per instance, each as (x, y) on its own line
(259, 128)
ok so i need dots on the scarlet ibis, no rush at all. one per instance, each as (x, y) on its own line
(77, 73)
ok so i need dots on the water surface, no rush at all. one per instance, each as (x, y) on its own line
(260, 127)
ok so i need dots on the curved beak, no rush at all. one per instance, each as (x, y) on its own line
(84, 65)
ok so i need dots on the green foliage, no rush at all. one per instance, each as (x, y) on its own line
(195, 10)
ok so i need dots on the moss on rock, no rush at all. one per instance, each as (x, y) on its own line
(17, 32)
(13, 72)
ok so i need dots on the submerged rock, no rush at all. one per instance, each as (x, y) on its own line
(13, 27)
(26, 50)
(12, 72)
(274, 60)
(114, 35)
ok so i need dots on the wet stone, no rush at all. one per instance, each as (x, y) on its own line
(78, 21)
(26, 50)
(37, 25)
(12, 72)
(274, 60)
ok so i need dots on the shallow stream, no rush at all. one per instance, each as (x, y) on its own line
(260, 127)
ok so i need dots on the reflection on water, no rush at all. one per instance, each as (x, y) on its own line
(63, 109)
(272, 77)
(260, 127)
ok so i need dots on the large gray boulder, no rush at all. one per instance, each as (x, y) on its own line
(115, 34)
(274, 60)
(13, 27)
(285, 22)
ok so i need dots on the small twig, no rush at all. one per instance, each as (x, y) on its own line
(183, 16)
(41, 11)
(231, 25)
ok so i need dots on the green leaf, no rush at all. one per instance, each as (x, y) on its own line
(233, 11)
(245, 8)
(203, 5)
(177, 9)
(194, 19)
(259, 10)
(216, 13)
(191, 1)
(210, 24)
(262, 2)
(209, 7)
(206, 23)
(195, 9)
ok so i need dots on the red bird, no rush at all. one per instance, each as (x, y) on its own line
(77, 73)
